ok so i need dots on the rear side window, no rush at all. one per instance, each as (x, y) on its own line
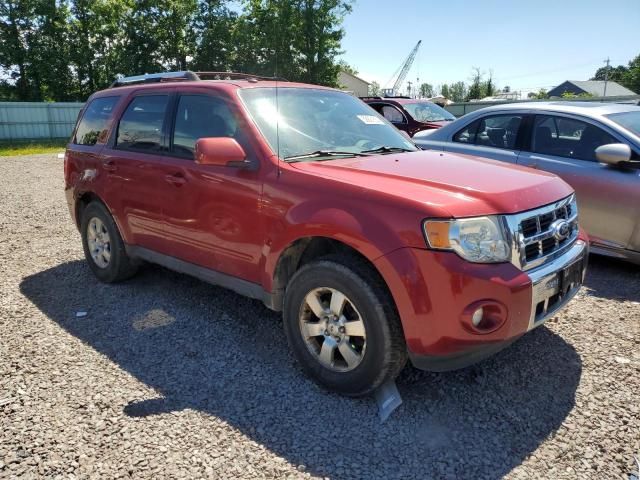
(95, 120)
(141, 124)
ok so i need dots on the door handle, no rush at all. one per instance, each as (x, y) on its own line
(176, 179)
(109, 165)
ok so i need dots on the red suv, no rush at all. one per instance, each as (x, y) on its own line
(306, 199)
(411, 115)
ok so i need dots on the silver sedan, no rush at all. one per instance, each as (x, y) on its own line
(595, 147)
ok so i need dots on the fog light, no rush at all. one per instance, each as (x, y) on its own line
(476, 318)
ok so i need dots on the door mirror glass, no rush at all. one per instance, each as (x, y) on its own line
(613, 153)
(221, 151)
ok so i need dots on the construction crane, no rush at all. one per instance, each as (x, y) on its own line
(404, 70)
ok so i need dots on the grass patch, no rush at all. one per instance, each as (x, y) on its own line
(21, 147)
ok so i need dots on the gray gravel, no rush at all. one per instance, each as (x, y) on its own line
(169, 377)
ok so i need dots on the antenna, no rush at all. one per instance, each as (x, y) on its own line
(606, 76)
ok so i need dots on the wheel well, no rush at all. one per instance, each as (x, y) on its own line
(306, 250)
(82, 202)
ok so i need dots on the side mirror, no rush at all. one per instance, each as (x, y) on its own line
(221, 151)
(613, 153)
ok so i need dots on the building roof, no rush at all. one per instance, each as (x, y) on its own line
(353, 76)
(596, 88)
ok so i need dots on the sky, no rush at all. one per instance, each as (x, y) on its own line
(528, 45)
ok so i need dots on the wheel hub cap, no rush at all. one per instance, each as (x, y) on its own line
(99, 242)
(333, 329)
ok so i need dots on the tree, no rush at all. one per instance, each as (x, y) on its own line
(214, 25)
(374, 89)
(476, 89)
(540, 94)
(444, 90)
(345, 67)
(506, 89)
(426, 90)
(489, 87)
(458, 91)
(616, 74)
(631, 78)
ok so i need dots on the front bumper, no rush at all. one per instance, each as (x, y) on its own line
(433, 289)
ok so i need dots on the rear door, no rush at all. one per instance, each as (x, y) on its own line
(132, 161)
(608, 197)
(497, 136)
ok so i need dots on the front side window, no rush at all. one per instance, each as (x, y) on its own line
(95, 121)
(392, 114)
(428, 112)
(140, 127)
(299, 121)
(498, 131)
(567, 137)
(200, 116)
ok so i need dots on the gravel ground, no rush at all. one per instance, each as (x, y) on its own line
(169, 377)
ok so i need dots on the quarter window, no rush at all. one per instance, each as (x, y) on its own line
(200, 116)
(567, 137)
(95, 120)
(140, 127)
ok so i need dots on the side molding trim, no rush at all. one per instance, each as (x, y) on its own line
(238, 285)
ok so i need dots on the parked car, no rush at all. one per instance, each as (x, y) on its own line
(410, 115)
(303, 197)
(595, 147)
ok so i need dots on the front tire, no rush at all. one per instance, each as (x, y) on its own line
(342, 325)
(103, 246)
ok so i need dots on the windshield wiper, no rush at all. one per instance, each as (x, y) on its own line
(325, 153)
(387, 149)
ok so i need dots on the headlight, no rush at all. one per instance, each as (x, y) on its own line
(480, 239)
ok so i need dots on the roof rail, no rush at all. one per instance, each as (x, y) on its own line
(187, 75)
(154, 78)
(235, 76)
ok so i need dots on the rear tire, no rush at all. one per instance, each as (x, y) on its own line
(350, 340)
(103, 246)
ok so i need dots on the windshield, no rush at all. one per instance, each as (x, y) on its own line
(315, 121)
(628, 120)
(428, 112)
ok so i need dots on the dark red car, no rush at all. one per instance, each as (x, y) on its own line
(410, 115)
(304, 198)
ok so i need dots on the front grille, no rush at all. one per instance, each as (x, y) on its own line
(540, 234)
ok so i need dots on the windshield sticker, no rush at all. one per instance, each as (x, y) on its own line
(370, 119)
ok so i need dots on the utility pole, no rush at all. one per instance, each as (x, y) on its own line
(409, 88)
(606, 77)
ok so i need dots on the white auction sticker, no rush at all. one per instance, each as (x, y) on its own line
(370, 119)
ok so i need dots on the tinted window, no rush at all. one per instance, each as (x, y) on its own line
(140, 127)
(468, 133)
(95, 119)
(567, 137)
(499, 131)
(200, 116)
(392, 114)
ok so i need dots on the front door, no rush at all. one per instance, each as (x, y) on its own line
(211, 212)
(608, 196)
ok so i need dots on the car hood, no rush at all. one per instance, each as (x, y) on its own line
(447, 184)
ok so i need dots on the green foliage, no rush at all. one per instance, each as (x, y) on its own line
(374, 89)
(540, 95)
(570, 95)
(426, 90)
(67, 49)
(628, 76)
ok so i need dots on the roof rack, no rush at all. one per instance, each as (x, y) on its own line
(187, 76)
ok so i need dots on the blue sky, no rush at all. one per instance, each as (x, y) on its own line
(528, 45)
